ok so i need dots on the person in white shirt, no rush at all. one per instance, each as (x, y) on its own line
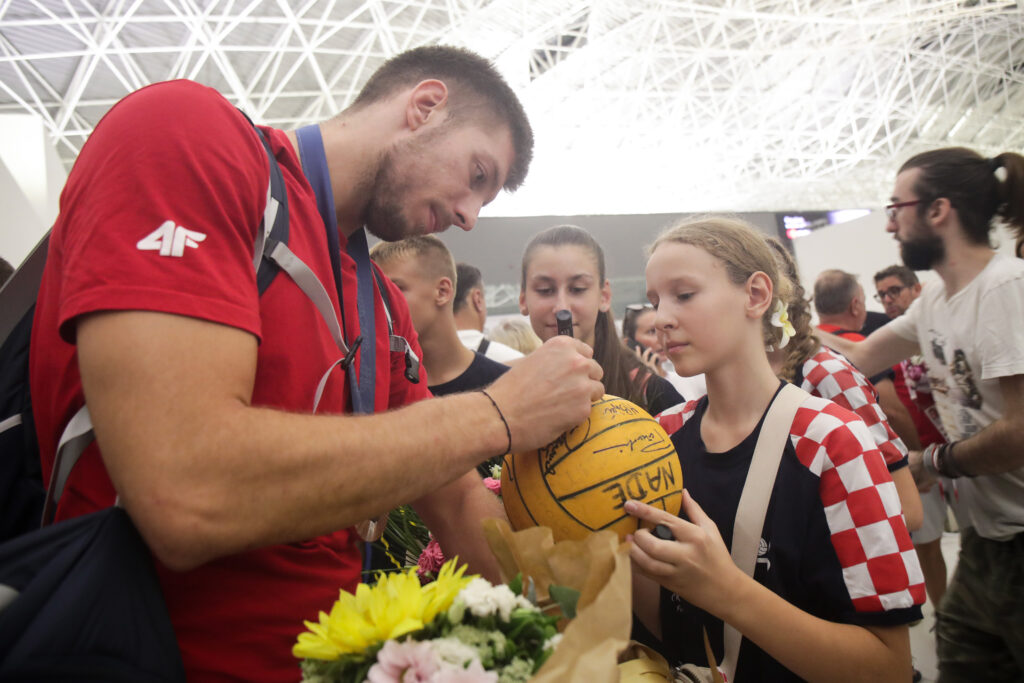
(969, 327)
(471, 314)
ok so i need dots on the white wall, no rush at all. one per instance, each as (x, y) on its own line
(862, 247)
(31, 178)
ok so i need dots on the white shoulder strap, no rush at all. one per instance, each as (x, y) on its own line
(757, 491)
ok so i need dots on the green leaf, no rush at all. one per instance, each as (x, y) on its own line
(516, 584)
(566, 598)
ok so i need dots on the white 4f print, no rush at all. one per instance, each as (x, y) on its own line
(170, 240)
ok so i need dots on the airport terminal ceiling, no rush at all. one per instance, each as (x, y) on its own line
(639, 106)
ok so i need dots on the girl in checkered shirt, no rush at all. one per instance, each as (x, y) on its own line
(836, 580)
(820, 371)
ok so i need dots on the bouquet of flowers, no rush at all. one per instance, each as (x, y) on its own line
(458, 628)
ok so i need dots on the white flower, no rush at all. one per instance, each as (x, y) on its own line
(780, 318)
(482, 599)
(552, 642)
(453, 652)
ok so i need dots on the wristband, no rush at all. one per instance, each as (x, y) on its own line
(928, 458)
(937, 459)
(508, 431)
(947, 464)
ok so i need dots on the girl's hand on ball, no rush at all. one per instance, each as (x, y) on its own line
(697, 565)
(548, 392)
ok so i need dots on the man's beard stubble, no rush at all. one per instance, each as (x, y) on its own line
(924, 250)
(383, 216)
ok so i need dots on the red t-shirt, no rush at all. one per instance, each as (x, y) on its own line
(179, 152)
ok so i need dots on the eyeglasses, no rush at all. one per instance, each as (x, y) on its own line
(638, 307)
(891, 293)
(890, 211)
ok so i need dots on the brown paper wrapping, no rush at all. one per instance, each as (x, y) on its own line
(599, 568)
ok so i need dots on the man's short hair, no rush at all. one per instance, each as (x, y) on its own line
(907, 277)
(473, 83)
(469, 278)
(833, 292)
(429, 251)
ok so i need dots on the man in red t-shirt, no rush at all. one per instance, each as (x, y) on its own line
(201, 390)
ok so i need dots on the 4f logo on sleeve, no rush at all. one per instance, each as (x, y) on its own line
(170, 240)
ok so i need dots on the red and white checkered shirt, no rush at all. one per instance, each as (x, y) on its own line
(879, 567)
(829, 375)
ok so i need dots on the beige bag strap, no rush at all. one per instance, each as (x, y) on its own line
(757, 491)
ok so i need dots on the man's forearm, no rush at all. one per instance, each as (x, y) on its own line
(455, 514)
(265, 477)
(204, 474)
(994, 450)
(881, 350)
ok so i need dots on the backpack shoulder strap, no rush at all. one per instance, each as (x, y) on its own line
(397, 342)
(273, 227)
(756, 494)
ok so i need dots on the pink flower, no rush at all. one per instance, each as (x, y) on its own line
(493, 485)
(408, 662)
(431, 558)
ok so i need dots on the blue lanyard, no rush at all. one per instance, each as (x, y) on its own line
(314, 165)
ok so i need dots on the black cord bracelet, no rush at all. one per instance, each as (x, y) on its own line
(946, 464)
(508, 431)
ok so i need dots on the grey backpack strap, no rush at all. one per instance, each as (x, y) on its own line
(757, 491)
(310, 285)
(73, 442)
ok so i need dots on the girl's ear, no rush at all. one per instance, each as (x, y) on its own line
(606, 297)
(522, 303)
(759, 294)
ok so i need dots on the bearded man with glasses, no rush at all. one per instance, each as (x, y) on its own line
(969, 327)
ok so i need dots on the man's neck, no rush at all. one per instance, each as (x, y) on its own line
(468, 320)
(353, 155)
(843, 322)
(963, 262)
(444, 356)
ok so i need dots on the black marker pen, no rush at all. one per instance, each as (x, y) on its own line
(564, 320)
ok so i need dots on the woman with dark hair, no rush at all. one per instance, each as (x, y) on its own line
(564, 268)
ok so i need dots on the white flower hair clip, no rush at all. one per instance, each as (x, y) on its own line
(780, 318)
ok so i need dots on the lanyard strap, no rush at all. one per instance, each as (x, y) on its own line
(314, 165)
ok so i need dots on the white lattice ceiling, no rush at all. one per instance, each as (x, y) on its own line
(640, 106)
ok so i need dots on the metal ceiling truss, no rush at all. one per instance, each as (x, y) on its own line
(641, 106)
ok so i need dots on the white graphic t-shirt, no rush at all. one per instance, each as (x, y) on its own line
(969, 341)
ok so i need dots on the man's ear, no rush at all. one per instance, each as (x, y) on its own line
(916, 289)
(426, 103)
(476, 298)
(443, 292)
(759, 294)
(939, 211)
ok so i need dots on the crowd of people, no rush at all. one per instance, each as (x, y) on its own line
(225, 415)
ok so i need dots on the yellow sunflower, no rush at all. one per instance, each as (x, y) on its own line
(395, 606)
